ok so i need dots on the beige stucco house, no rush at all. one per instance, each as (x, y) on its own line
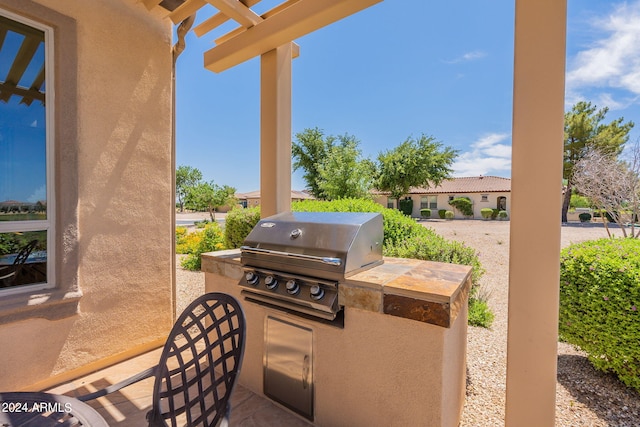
(484, 192)
(102, 79)
(252, 198)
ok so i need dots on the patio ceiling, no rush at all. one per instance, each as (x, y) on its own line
(256, 33)
(25, 75)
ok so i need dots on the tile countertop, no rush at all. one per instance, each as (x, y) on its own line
(425, 291)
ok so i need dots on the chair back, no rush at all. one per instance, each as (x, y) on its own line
(200, 363)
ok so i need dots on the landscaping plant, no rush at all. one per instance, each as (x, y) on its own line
(425, 213)
(238, 225)
(599, 301)
(486, 213)
(463, 204)
(208, 239)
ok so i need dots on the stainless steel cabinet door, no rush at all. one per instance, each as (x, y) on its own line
(288, 365)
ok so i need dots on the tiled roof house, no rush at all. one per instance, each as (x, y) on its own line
(484, 191)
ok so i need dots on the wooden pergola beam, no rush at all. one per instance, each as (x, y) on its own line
(218, 19)
(237, 11)
(187, 9)
(266, 15)
(28, 95)
(295, 21)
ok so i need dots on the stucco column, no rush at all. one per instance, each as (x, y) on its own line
(534, 271)
(275, 131)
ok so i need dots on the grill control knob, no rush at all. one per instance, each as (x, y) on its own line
(252, 278)
(270, 282)
(292, 287)
(316, 292)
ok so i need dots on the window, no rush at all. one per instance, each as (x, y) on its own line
(391, 202)
(429, 202)
(485, 198)
(433, 202)
(26, 160)
(424, 202)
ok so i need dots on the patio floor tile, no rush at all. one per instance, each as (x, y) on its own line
(129, 406)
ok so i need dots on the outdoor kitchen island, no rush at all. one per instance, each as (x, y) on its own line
(399, 359)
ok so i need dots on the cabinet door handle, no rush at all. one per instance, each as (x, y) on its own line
(305, 371)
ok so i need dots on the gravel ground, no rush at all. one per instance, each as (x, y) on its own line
(584, 397)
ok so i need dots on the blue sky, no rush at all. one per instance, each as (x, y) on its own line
(400, 69)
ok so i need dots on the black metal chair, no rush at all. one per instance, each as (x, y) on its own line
(199, 365)
(9, 274)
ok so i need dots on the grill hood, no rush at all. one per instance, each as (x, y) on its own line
(331, 245)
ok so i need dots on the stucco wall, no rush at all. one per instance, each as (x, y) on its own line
(114, 208)
(443, 203)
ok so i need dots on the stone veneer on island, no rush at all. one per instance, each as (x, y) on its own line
(400, 358)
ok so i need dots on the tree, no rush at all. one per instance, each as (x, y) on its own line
(209, 196)
(414, 163)
(342, 174)
(186, 177)
(584, 130)
(613, 186)
(333, 165)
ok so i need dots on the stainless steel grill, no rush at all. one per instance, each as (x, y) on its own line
(295, 260)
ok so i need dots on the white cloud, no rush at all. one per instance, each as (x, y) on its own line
(489, 155)
(613, 60)
(466, 57)
(38, 194)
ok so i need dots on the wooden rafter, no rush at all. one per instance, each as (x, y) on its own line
(218, 19)
(9, 84)
(237, 11)
(257, 34)
(297, 20)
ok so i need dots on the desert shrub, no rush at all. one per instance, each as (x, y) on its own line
(397, 226)
(209, 239)
(503, 215)
(181, 234)
(463, 204)
(486, 213)
(425, 213)
(495, 213)
(238, 224)
(479, 313)
(403, 237)
(578, 201)
(585, 217)
(599, 300)
(202, 223)
(433, 247)
(449, 215)
(441, 213)
(406, 206)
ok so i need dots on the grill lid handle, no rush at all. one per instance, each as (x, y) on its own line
(323, 260)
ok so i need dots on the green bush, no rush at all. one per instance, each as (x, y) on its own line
(449, 215)
(479, 313)
(425, 213)
(486, 213)
(585, 217)
(495, 213)
(406, 206)
(208, 239)
(503, 215)
(463, 204)
(599, 300)
(579, 202)
(238, 225)
(403, 237)
(441, 213)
